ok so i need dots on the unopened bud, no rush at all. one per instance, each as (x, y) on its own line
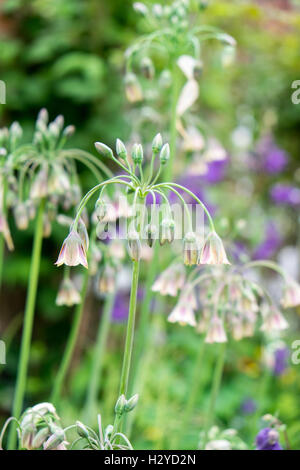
(133, 88)
(69, 130)
(157, 143)
(147, 68)
(137, 154)
(40, 438)
(134, 245)
(167, 231)
(131, 403)
(151, 234)
(104, 150)
(57, 438)
(191, 249)
(120, 405)
(100, 209)
(81, 430)
(164, 154)
(121, 150)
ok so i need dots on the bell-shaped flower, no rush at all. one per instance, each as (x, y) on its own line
(170, 280)
(73, 251)
(213, 251)
(216, 331)
(68, 294)
(273, 320)
(291, 294)
(182, 314)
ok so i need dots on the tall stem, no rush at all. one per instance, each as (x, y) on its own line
(176, 81)
(28, 320)
(71, 343)
(194, 387)
(97, 365)
(143, 324)
(129, 337)
(217, 378)
(2, 241)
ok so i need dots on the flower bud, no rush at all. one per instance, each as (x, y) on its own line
(137, 154)
(131, 403)
(40, 438)
(157, 143)
(151, 234)
(43, 116)
(134, 245)
(147, 68)
(104, 150)
(120, 405)
(100, 209)
(167, 231)
(21, 216)
(68, 131)
(82, 430)
(55, 439)
(121, 150)
(27, 435)
(140, 8)
(191, 249)
(133, 88)
(164, 154)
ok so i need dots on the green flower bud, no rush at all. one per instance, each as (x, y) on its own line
(191, 249)
(131, 403)
(120, 405)
(147, 68)
(167, 231)
(103, 149)
(151, 234)
(121, 150)
(137, 154)
(134, 245)
(81, 430)
(100, 209)
(40, 438)
(68, 131)
(157, 143)
(164, 154)
(55, 439)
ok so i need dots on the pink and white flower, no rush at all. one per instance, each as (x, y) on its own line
(73, 251)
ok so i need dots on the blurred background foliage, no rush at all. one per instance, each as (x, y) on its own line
(69, 57)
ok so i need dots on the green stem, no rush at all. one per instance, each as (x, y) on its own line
(141, 335)
(217, 377)
(193, 388)
(97, 365)
(2, 241)
(64, 365)
(28, 320)
(176, 81)
(129, 338)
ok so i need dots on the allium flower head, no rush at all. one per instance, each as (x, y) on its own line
(170, 280)
(291, 295)
(73, 251)
(216, 332)
(213, 251)
(68, 294)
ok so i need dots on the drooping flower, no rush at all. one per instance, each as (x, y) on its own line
(170, 280)
(267, 439)
(216, 331)
(73, 251)
(4, 229)
(133, 88)
(291, 294)
(68, 294)
(273, 319)
(213, 251)
(183, 313)
(190, 249)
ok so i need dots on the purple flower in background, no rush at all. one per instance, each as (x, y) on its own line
(248, 407)
(239, 251)
(216, 171)
(267, 439)
(120, 308)
(273, 158)
(283, 194)
(280, 361)
(193, 183)
(270, 244)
